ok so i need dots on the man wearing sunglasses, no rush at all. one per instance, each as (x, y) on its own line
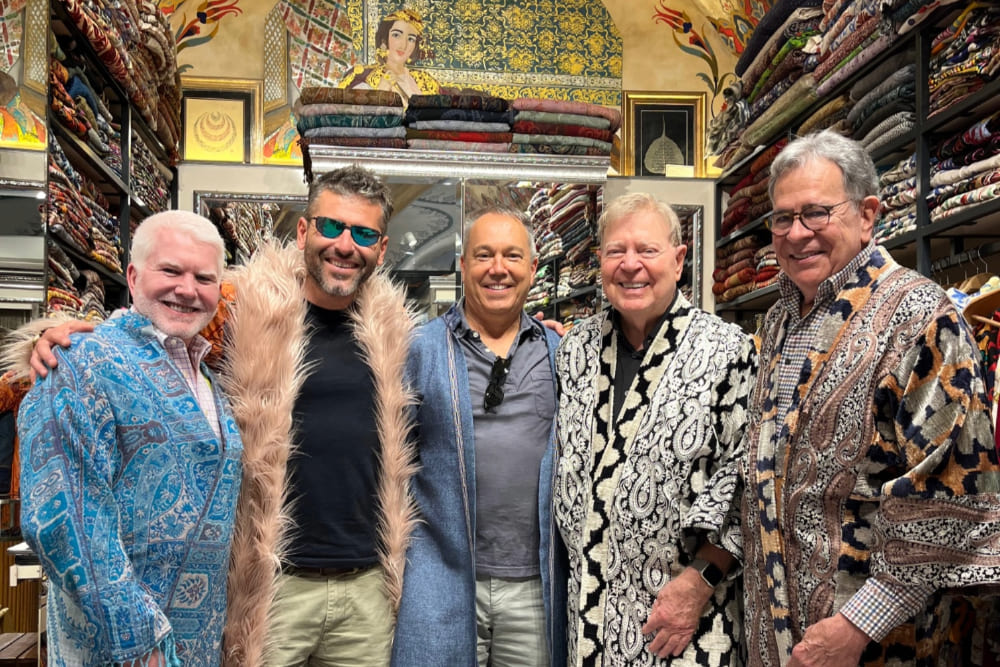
(871, 476)
(315, 350)
(485, 573)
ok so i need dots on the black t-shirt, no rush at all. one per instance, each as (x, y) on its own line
(333, 471)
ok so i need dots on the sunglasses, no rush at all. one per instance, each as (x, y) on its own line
(494, 390)
(331, 228)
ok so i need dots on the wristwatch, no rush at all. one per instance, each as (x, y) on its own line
(710, 572)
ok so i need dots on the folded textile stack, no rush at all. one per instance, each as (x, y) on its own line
(92, 297)
(63, 273)
(78, 108)
(735, 269)
(350, 117)
(964, 56)
(898, 192)
(573, 219)
(965, 169)
(78, 212)
(749, 200)
(135, 42)
(459, 123)
(547, 243)
(542, 290)
(150, 179)
(885, 109)
(245, 225)
(767, 267)
(563, 127)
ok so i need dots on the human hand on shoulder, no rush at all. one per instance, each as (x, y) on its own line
(42, 357)
(555, 325)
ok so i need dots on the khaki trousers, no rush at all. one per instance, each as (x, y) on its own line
(336, 621)
(510, 622)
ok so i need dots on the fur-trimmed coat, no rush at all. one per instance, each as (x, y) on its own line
(262, 372)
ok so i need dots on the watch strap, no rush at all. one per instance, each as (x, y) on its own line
(710, 572)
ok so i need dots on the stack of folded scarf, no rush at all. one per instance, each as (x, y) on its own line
(885, 112)
(78, 212)
(735, 269)
(965, 169)
(92, 297)
(898, 192)
(80, 110)
(853, 35)
(767, 267)
(572, 218)
(350, 117)
(964, 56)
(542, 290)
(539, 211)
(63, 273)
(563, 127)
(150, 179)
(63, 301)
(459, 123)
(749, 200)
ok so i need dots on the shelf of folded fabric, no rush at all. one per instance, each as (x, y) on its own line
(124, 79)
(109, 276)
(575, 294)
(758, 299)
(756, 227)
(433, 164)
(89, 163)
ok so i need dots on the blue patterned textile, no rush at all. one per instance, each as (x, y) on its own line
(129, 499)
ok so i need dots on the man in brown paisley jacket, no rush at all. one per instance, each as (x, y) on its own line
(871, 481)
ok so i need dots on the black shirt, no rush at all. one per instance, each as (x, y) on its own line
(333, 471)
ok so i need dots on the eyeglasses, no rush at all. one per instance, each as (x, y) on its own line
(331, 228)
(494, 390)
(813, 217)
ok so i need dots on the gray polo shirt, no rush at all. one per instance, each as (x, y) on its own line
(510, 442)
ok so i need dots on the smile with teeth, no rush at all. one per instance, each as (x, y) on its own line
(496, 287)
(180, 308)
(633, 285)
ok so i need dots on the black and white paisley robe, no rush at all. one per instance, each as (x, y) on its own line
(635, 495)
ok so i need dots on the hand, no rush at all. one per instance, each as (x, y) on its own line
(555, 325)
(676, 613)
(832, 642)
(42, 358)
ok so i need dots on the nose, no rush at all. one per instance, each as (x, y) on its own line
(798, 230)
(185, 285)
(497, 265)
(630, 260)
(344, 244)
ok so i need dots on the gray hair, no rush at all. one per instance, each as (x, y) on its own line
(197, 228)
(353, 181)
(860, 178)
(626, 205)
(506, 212)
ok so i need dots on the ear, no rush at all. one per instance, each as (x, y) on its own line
(868, 208)
(383, 245)
(534, 270)
(130, 276)
(679, 253)
(301, 229)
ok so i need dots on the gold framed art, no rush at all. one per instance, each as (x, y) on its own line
(222, 120)
(663, 134)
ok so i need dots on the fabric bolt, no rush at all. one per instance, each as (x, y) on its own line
(441, 101)
(561, 140)
(306, 123)
(332, 95)
(443, 145)
(451, 135)
(598, 122)
(570, 107)
(361, 142)
(534, 127)
(798, 98)
(899, 84)
(888, 67)
(330, 109)
(472, 115)
(771, 27)
(387, 132)
(556, 149)
(458, 125)
(957, 202)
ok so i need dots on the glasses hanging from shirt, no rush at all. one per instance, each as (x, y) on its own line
(494, 389)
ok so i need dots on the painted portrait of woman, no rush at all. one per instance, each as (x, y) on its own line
(399, 37)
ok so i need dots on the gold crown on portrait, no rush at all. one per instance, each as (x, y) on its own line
(411, 16)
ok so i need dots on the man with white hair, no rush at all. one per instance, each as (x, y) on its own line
(131, 467)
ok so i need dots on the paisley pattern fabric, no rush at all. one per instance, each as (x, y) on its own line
(882, 476)
(129, 500)
(636, 493)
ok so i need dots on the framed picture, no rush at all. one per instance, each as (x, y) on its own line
(663, 134)
(221, 120)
